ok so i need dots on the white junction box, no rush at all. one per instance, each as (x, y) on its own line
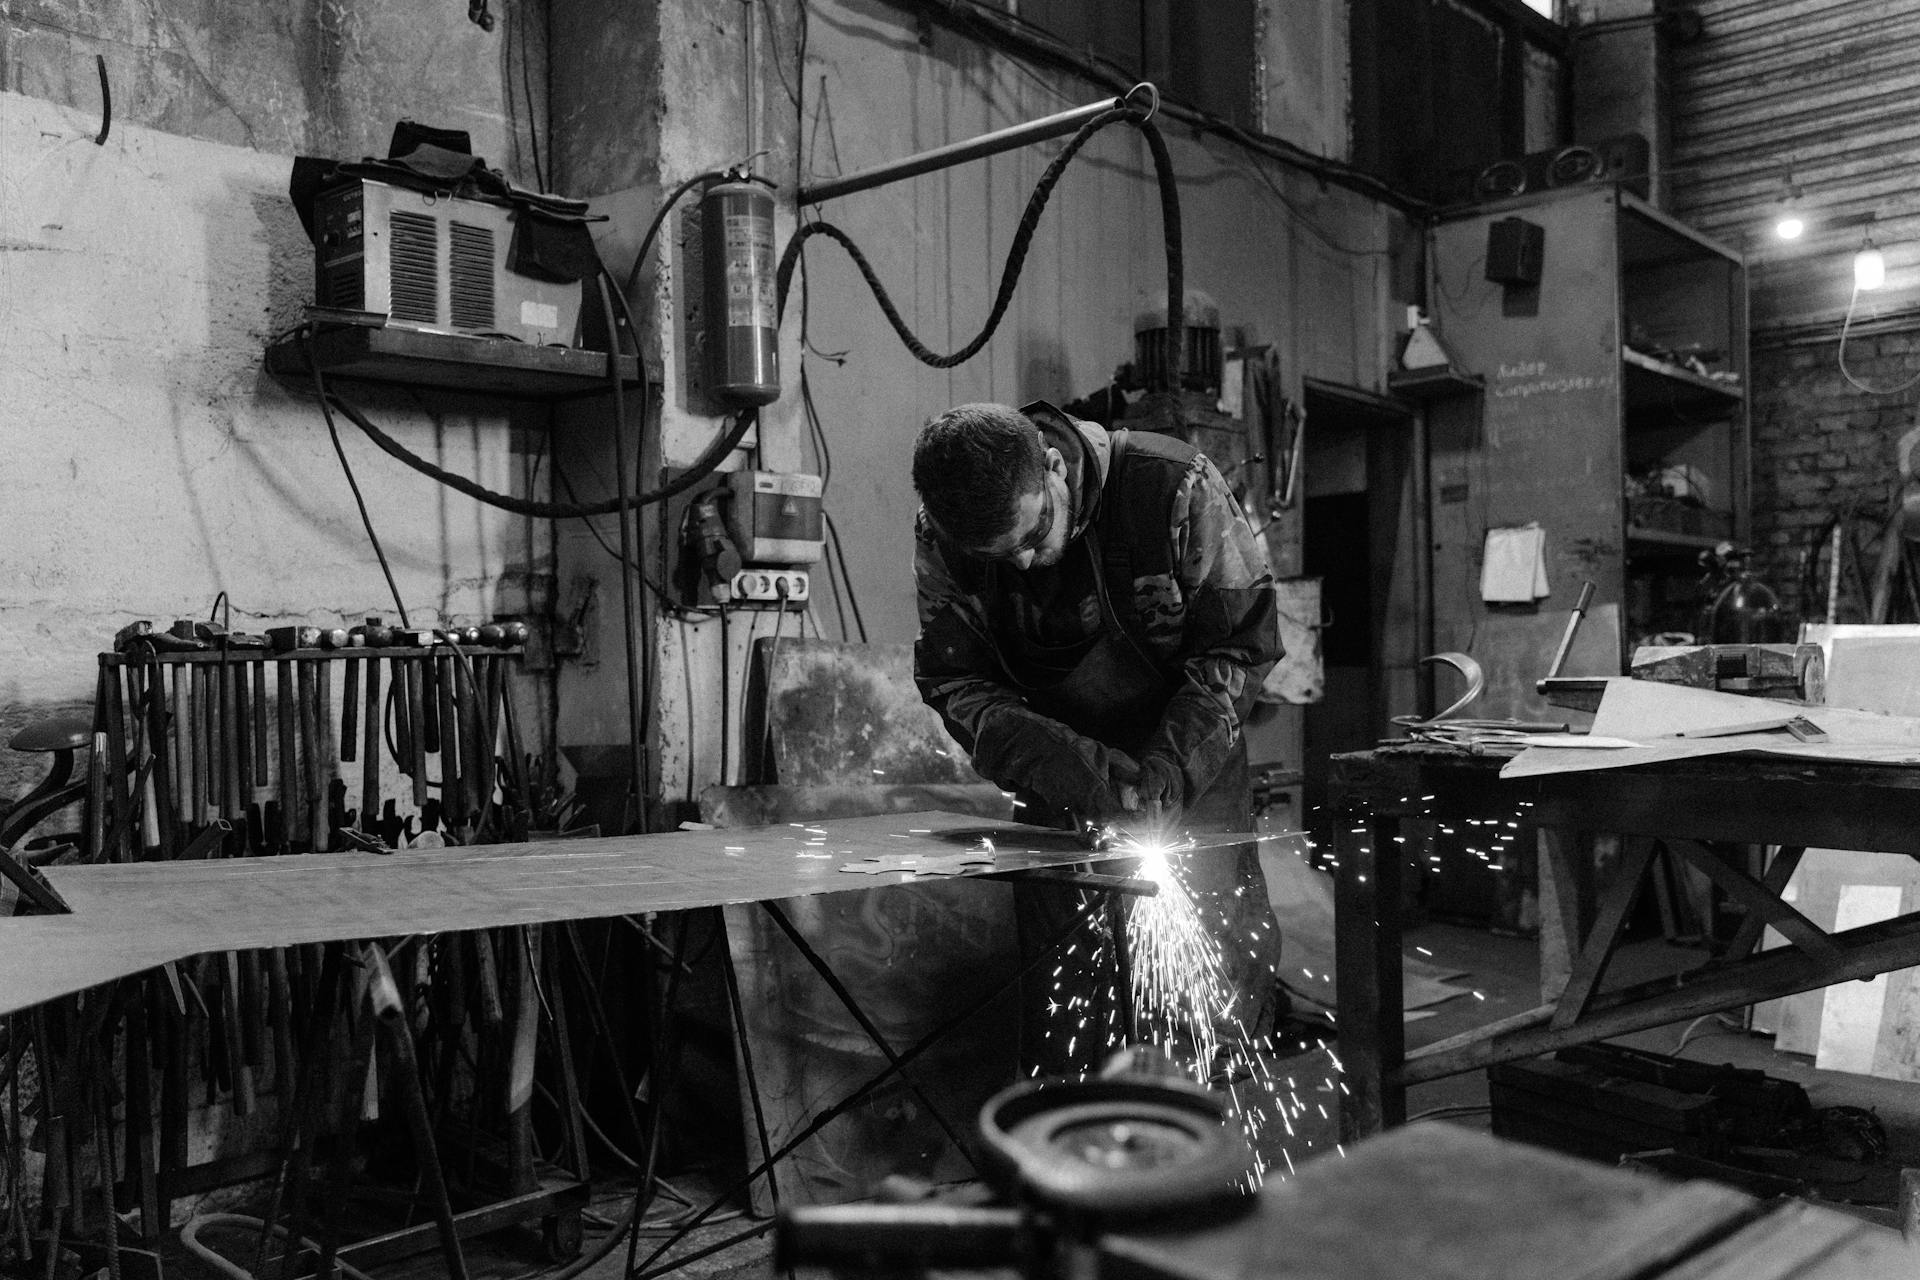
(770, 586)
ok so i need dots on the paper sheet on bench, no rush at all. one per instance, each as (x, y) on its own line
(1651, 713)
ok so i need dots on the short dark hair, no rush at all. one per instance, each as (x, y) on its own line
(971, 465)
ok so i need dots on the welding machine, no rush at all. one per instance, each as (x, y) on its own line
(428, 260)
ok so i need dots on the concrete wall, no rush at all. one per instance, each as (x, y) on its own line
(150, 462)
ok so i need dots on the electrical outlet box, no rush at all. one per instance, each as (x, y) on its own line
(780, 588)
(775, 517)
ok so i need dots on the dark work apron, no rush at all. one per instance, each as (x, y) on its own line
(1104, 688)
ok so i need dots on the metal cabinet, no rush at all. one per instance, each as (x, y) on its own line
(1612, 413)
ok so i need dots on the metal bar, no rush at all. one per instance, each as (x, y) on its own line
(745, 1043)
(1573, 625)
(390, 1017)
(1759, 902)
(472, 1222)
(1131, 886)
(1865, 952)
(1616, 904)
(1778, 872)
(987, 144)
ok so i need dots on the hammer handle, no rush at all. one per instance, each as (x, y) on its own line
(416, 665)
(350, 709)
(286, 717)
(371, 749)
(453, 800)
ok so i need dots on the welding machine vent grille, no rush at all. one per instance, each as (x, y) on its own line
(341, 286)
(415, 266)
(470, 277)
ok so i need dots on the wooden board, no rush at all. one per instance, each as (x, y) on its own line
(129, 917)
(1435, 1202)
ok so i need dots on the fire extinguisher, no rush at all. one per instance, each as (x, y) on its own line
(742, 339)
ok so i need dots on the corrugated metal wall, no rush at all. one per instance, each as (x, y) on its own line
(1819, 95)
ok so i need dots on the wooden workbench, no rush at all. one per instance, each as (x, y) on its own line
(1434, 1202)
(1734, 799)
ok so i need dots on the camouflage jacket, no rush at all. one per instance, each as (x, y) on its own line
(1188, 580)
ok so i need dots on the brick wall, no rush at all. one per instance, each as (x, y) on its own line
(1822, 444)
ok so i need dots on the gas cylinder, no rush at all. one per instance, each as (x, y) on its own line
(1744, 610)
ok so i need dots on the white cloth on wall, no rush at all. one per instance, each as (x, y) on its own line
(1514, 568)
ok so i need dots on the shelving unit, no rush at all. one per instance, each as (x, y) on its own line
(449, 361)
(1614, 416)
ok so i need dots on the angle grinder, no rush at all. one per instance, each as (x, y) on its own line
(1066, 1161)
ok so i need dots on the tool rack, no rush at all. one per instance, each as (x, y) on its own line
(247, 753)
(260, 742)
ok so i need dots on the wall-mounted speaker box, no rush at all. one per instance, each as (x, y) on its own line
(1516, 250)
(1625, 159)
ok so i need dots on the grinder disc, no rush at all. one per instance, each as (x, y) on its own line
(1115, 1146)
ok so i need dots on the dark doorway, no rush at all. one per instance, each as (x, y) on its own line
(1356, 540)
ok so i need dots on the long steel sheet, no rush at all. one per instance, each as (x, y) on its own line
(129, 917)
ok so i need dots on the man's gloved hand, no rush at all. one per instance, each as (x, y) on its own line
(1123, 780)
(1163, 788)
(1036, 753)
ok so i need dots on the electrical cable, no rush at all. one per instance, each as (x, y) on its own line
(636, 725)
(853, 601)
(708, 463)
(1017, 252)
(660, 216)
(320, 389)
(1845, 327)
(190, 1237)
(659, 593)
(526, 90)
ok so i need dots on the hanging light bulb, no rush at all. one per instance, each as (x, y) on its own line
(1869, 267)
(1788, 224)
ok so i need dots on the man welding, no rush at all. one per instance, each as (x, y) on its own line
(1095, 616)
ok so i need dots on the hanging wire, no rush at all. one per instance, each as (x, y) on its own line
(1852, 303)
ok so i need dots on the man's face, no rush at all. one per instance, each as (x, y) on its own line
(1041, 520)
